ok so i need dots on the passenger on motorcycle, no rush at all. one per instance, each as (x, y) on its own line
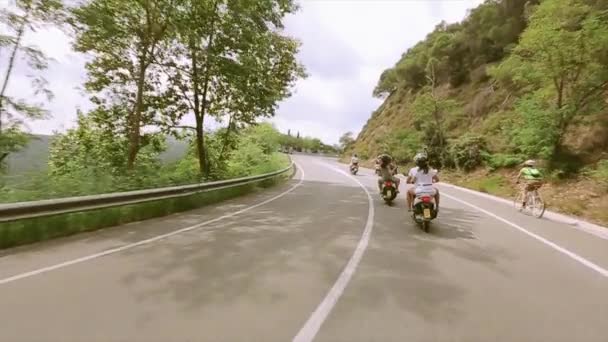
(533, 179)
(422, 176)
(387, 172)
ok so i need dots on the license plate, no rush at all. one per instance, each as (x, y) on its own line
(427, 213)
(389, 193)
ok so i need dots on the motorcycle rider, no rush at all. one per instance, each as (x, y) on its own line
(387, 172)
(422, 176)
(533, 179)
(354, 160)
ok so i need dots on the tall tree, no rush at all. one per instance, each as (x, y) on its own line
(431, 109)
(346, 140)
(124, 38)
(231, 61)
(19, 18)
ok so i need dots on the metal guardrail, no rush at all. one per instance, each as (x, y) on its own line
(33, 209)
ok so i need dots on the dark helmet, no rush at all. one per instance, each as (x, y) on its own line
(385, 159)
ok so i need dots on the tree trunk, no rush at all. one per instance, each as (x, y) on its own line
(9, 70)
(201, 106)
(200, 146)
(226, 136)
(198, 116)
(135, 117)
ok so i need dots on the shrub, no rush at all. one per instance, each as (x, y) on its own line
(467, 152)
(502, 160)
(600, 173)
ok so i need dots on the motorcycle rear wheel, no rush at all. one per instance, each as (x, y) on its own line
(425, 226)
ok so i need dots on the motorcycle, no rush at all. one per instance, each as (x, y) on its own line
(354, 168)
(424, 210)
(389, 191)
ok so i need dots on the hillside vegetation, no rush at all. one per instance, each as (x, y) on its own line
(514, 80)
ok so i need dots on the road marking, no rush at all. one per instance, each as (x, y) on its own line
(560, 249)
(316, 319)
(150, 240)
(571, 222)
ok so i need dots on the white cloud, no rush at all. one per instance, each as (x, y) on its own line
(346, 45)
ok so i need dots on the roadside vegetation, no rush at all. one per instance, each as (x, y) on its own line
(515, 80)
(156, 69)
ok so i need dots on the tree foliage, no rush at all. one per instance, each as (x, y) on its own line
(562, 61)
(484, 37)
(23, 17)
(538, 68)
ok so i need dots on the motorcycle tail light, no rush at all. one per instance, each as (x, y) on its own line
(426, 199)
(388, 184)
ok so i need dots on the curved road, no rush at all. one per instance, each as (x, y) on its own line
(320, 258)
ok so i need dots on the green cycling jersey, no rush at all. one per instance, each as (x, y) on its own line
(531, 173)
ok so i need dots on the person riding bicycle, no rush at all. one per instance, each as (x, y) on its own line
(423, 177)
(387, 172)
(533, 179)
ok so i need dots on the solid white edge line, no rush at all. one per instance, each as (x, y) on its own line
(310, 329)
(572, 222)
(150, 240)
(558, 248)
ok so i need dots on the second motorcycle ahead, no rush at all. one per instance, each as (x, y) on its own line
(354, 168)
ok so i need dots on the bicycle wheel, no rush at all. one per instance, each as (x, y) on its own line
(538, 208)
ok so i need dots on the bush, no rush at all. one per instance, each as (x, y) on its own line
(502, 160)
(467, 152)
(600, 173)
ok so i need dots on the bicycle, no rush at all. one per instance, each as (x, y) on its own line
(534, 201)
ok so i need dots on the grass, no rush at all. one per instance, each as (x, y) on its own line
(579, 197)
(495, 185)
(28, 231)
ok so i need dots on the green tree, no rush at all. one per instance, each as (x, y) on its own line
(18, 19)
(229, 60)
(346, 140)
(97, 146)
(561, 61)
(124, 38)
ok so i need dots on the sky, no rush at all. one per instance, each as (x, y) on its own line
(346, 44)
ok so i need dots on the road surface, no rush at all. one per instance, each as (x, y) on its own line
(321, 258)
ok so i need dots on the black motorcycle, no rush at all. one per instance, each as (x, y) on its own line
(389, 191)
(354, 168)
(424, 210)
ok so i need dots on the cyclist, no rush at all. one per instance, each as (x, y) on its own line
(533, 179)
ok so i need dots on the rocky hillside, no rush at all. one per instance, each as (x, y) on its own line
(516, 79)
(491, 80)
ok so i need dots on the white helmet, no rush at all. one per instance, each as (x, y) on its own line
(530, 163)
(420, 156)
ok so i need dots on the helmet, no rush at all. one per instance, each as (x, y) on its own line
(420, 156)
(385, 159)
(355, 155)
(529, 163)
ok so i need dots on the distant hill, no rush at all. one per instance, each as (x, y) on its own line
(35, 156)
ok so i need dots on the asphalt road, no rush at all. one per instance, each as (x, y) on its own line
(321, 258)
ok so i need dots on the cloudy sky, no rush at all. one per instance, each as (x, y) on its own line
(346, 45)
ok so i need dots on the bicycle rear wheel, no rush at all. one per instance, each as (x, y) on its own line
(538, 205)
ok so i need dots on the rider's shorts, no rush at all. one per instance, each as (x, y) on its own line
(532, 184)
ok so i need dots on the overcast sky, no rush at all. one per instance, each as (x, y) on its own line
(346, 45)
